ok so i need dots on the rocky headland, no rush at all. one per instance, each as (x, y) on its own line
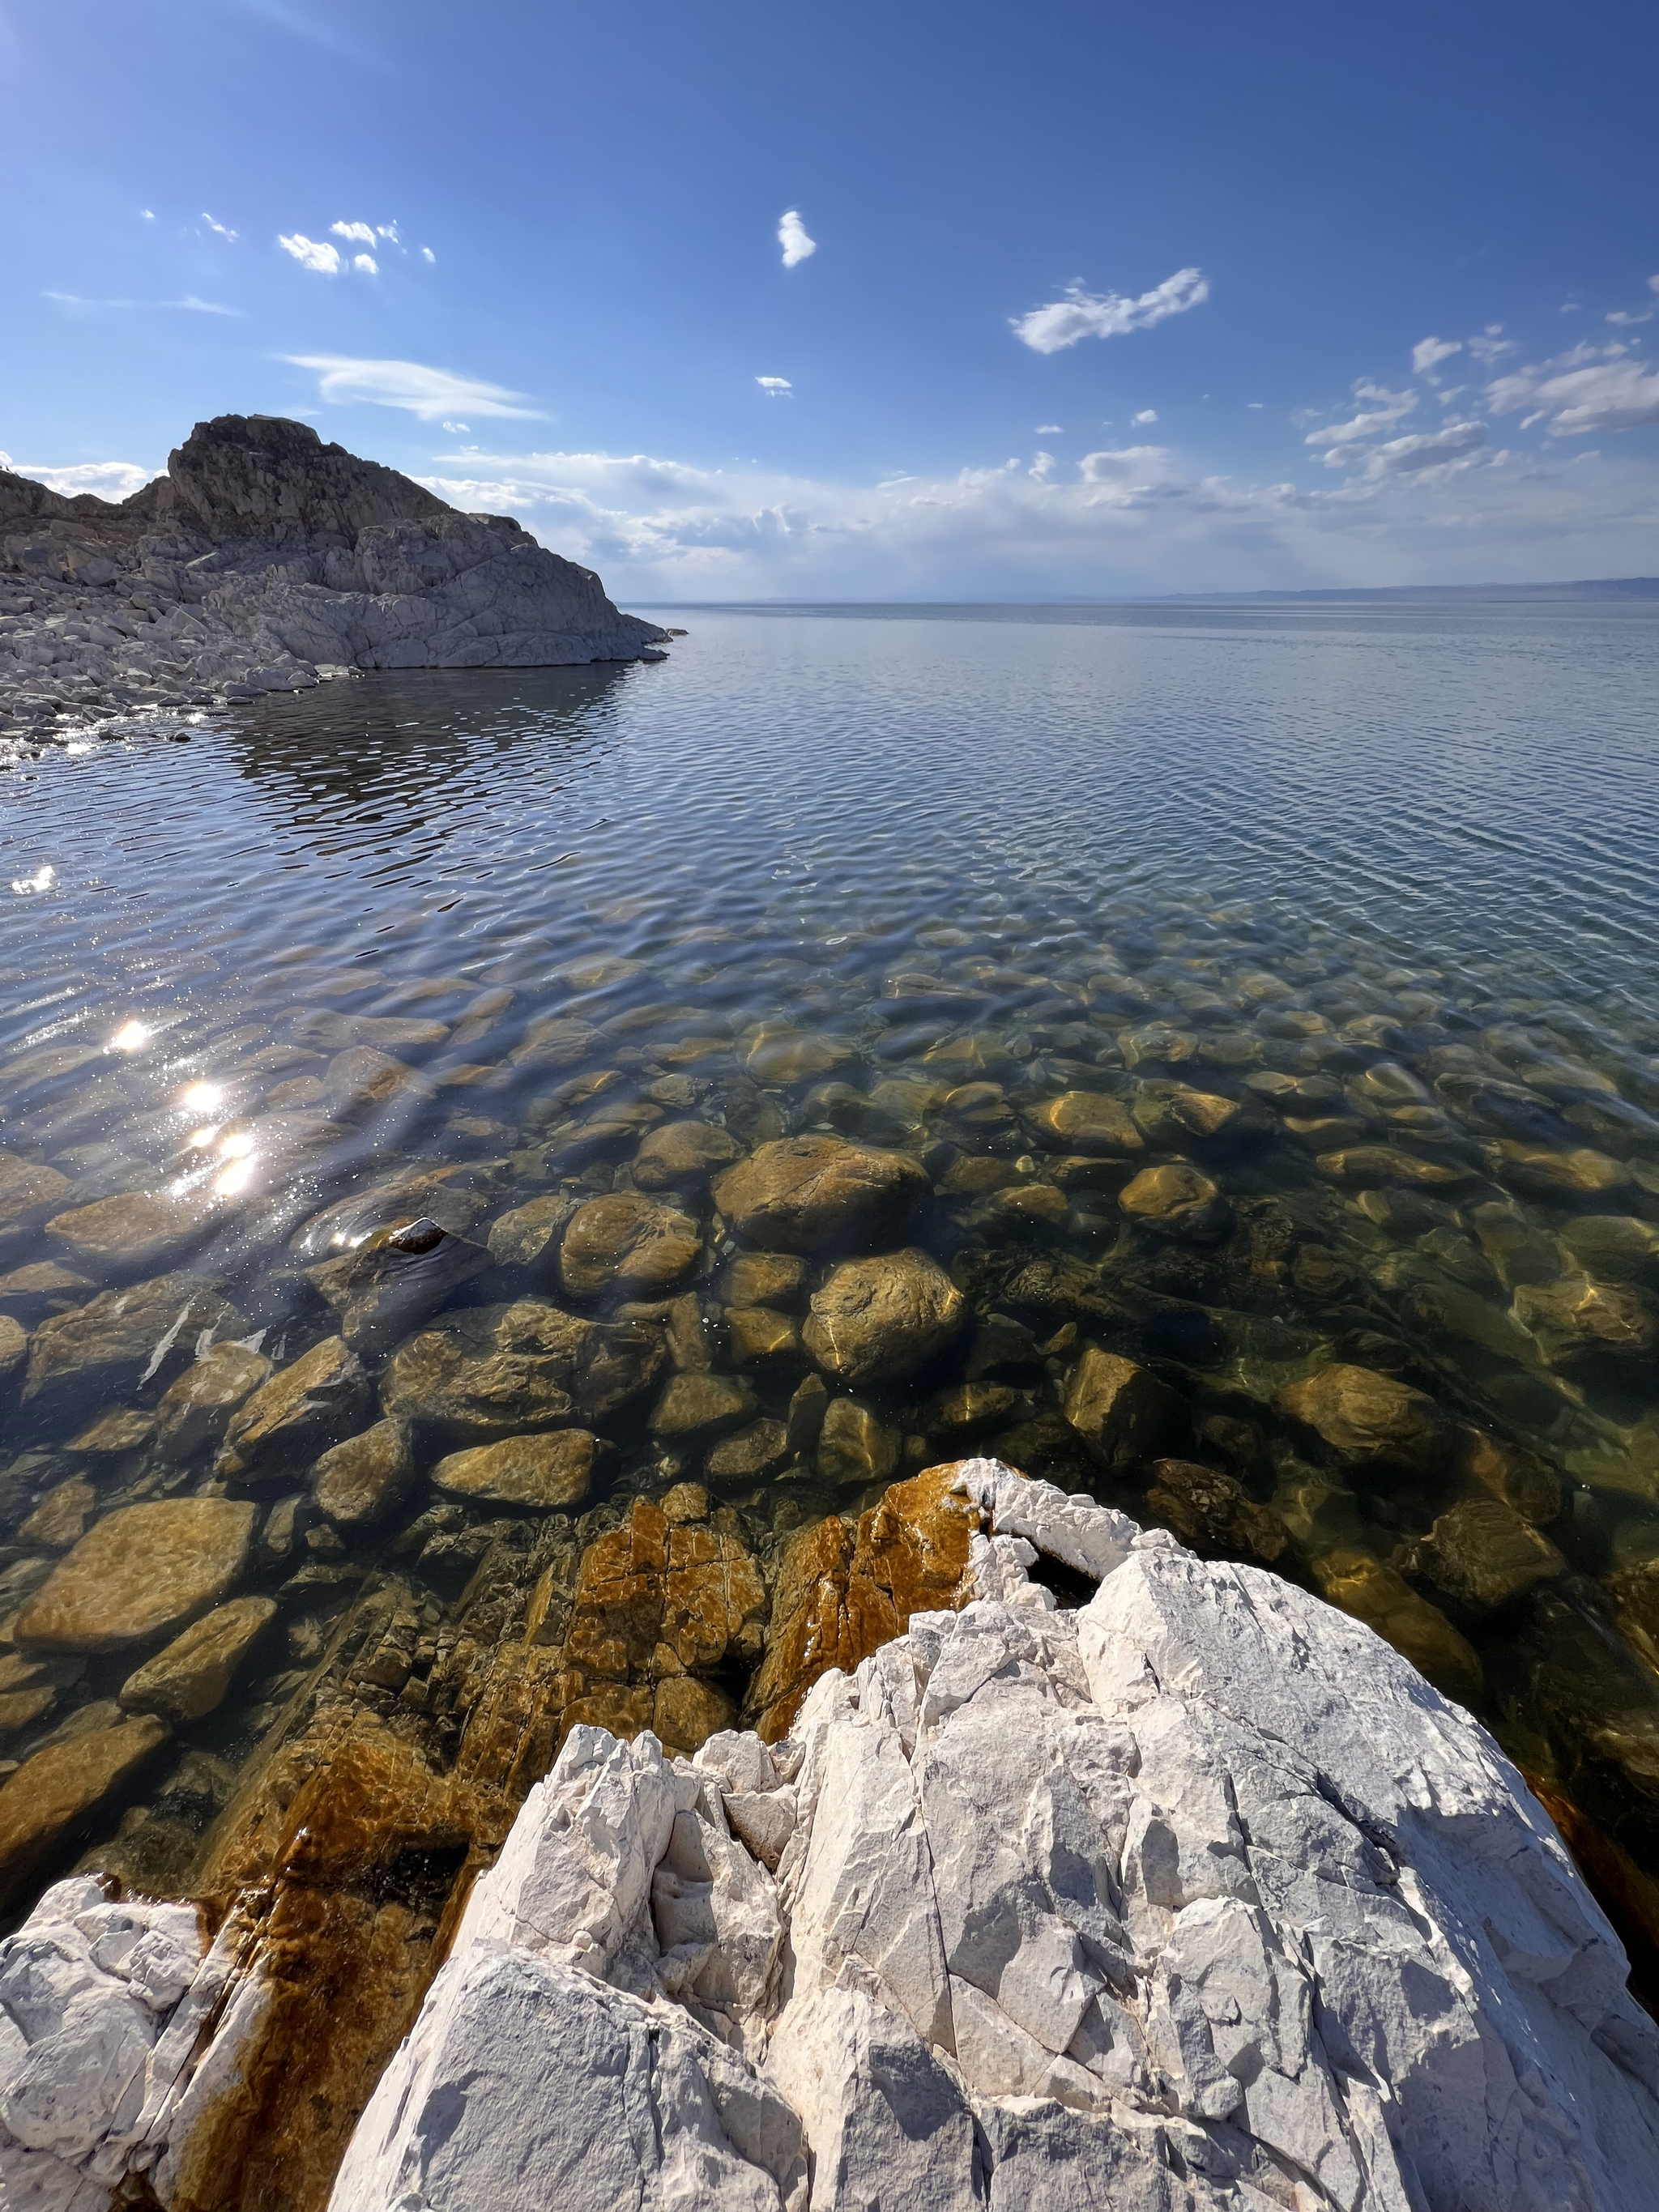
(261, 561)
(1114, 1877)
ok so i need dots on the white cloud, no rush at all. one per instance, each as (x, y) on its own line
(775, 386)
(426, 254)
(324, 258)
(1389, 408)
(367, 263)
(1424, 450)
(1049, 430)
(147, 214)
(389, 232)
(1083, 314)
(1582, 392)
(1492, 345)
(220, 230)
(113, 480)
(189, 304)
(1428, 353)
(1132, 519)
(359, 233)
(1255, 403)
(1146, 415)
(792, 237)
(429, 393)
(457, 429)
(1042, 470)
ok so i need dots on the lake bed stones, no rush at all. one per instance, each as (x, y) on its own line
(542, 1474)
(1483, 1555)
(494, 1371)
(1175, 1199)
(195, 1411)
(317, 1399)
(131, 1229)
(142, 1572)
(700, 1406)
(124, 1339)
(880, 1318)
(1121, 1410)
(683, 1152)
(50, 1795)
(190, 1677)
(1368, 1416)
(28, 1191)
(1089, 1122)
(628, 1245)
(359, 1481)
(528, 1235)
(1575, 1319)
(806, 1194)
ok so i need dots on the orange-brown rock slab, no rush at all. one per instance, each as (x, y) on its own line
(842, 1592)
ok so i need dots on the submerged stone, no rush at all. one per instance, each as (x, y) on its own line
(1575, 1319)
(1483, 1555)
(1380, 1596)
(191, 1677)
(132, 1230)
(44, 1802)
(628, 1245)
(683, 1152)
(544, 1474)
(529, 1235)
(1368, 1415)
(1121, 1412)
(196, 1409)
(358, 1482)
(494, 1371)
(807, 1194)
(700, 1406)
(1089, 1122)
(322, 1397)
(141, 1572)
(124, 1339)
(855, 1446)
(875, 1319)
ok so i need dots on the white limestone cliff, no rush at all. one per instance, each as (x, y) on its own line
(1196, 1897)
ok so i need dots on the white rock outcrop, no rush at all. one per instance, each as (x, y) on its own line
(263, 558)
(1197, 1897)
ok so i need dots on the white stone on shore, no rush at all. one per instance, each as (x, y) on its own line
(1198, 1898)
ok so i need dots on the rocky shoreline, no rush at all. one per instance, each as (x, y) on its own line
(264, 561)
(1175, 1889)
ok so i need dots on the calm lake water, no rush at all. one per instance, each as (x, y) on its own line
(1352, 913)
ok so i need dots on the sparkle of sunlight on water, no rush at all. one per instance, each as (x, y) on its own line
(1264, 1003)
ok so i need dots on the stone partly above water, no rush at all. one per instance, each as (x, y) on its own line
(263, 557)
(1195, 1895)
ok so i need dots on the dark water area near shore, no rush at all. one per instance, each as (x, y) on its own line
(1269, 998)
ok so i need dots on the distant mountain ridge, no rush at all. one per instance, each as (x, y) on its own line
(1595, 587)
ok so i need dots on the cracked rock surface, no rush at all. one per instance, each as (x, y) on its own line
(1198, 1896)
(1193, 1897)
(263, 560)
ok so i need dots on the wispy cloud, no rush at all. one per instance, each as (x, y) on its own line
(1424, 450)
(115, 480)
(220, 229)
(1492, 345)
(1581, 393)
(363, 232)
(1132, 518)
(189, 304)
(1146, 415)
(426, 254)
(774, 387)
(1083, 314)
(311, 253)
(429, 393)
(792, 237)
(1049, 430)
(1388, 408)
(1428, 353)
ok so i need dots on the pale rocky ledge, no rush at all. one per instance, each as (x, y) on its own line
(1180, 1891)
(261, 560)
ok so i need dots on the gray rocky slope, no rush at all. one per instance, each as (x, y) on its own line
(1196, 1896)
(263, 558)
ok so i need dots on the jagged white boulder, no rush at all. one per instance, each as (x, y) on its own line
(1197, 1897)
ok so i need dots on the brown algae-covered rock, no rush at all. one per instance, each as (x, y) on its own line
(196, 1410)
(1121, 1412)
(122, 1339)
(1088, 1122)
(358, 1482)
(1483, 1555)
(1366, 1414)
(50, 1794)
(683, 1152)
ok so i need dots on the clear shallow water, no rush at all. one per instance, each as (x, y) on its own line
(819, 872)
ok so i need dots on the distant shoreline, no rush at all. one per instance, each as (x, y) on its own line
(1589, 589)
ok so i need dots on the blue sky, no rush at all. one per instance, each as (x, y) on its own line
(1099, 300)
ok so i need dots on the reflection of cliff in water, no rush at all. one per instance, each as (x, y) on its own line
(382, 748)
